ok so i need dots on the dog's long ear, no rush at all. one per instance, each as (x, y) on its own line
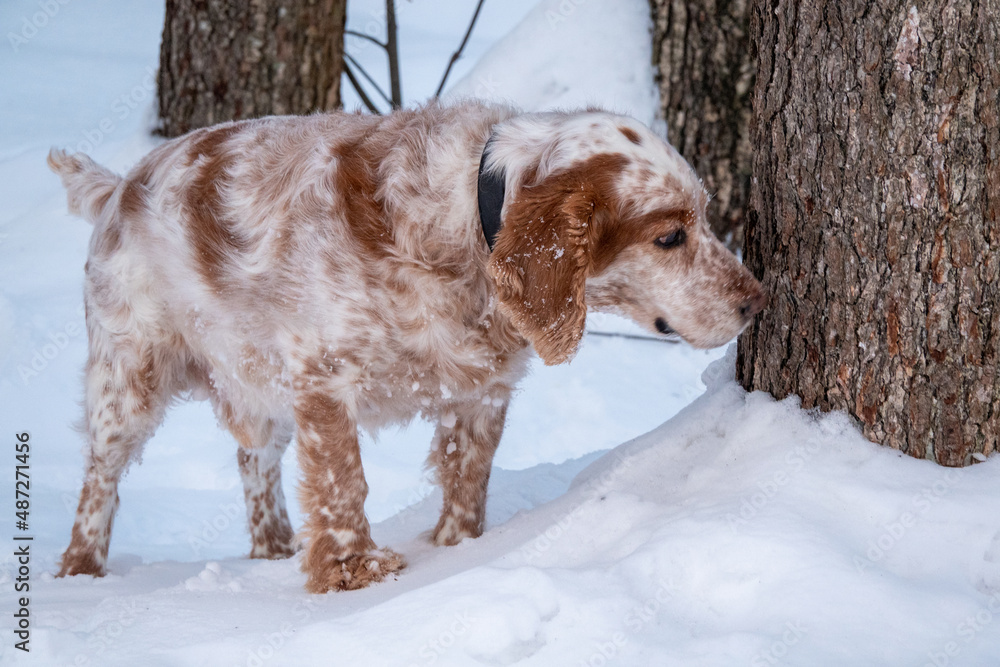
(540, 263)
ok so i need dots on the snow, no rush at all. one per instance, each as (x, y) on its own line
(571, 54)
(729, 528)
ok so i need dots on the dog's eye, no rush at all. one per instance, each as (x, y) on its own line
(671, 240)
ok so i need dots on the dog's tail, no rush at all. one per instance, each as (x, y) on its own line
(89, 186)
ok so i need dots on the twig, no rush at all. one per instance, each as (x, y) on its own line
(612, 334)
(355, 33)
(367, 77)
(458, 53)
(361, 92)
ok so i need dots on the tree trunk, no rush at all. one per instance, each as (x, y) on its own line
(224, 61)
(875, 217)
(705, 71)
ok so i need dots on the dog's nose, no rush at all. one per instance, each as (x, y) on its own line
(753, 306)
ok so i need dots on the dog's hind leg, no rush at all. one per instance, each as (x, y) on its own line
(126, 397)
(262, 442)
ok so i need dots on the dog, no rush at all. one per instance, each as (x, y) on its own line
(313, 275)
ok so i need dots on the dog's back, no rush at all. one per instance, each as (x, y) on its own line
(231, 241)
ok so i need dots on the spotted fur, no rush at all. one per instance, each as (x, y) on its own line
(313, 275)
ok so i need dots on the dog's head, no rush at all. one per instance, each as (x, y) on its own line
(611, 217)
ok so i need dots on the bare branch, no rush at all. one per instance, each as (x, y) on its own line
(615, 334)
(458, 53)
(367, 76)
(361, 91)
(355, 33)
(392, 50)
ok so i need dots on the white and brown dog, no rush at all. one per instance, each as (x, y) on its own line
(311, 275)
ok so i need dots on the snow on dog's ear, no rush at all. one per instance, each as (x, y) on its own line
(542, 258)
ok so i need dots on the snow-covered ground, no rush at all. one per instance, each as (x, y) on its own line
(740, 531)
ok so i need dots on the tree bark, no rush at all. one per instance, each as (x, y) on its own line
(223, 61)
(875, 217)
(705, 72)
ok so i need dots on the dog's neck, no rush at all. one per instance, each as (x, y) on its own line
(491, 189)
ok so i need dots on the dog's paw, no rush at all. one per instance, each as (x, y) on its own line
(272, 551)
(450, 530)
(355, 572)
(82, 561)
(274, 543)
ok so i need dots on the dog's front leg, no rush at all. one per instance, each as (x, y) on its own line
(340, 553)
(464, 444)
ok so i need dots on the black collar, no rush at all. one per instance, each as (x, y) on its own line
(492, 185)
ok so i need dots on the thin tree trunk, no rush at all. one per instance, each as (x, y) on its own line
(392, 53)
(705, 71)
(224, 61)
(875, 217)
